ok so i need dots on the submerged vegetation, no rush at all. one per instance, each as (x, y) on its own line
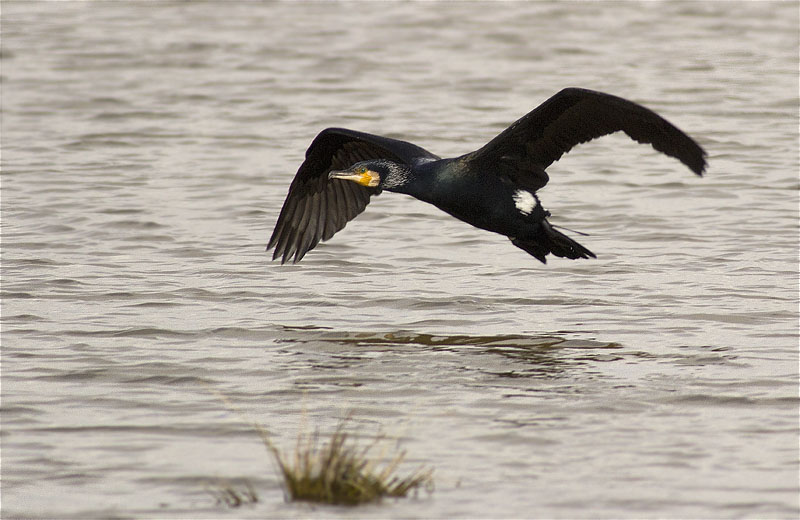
(340, 472)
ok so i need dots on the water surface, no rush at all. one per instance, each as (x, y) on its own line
(147, 148)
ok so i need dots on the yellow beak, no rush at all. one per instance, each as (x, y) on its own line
(369, 178)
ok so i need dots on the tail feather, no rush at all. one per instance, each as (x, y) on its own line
(550, 241)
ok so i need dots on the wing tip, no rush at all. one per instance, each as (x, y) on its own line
(278, 253)
(698, 163)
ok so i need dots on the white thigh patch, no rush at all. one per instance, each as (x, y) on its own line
(525, 201)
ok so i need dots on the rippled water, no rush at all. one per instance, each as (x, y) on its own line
(147, 148)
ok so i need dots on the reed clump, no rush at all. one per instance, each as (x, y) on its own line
(340, 472)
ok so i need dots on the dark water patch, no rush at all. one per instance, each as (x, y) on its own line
(542, 355)
(185, 430)
(135, 332)
(247, 334)
(407, 338)
(750, 318)
(735, 401)
(18, 412)
(134, 224)
(189, 252)
(55, 229)
(22, 317)
(11, 294)
(252, 334)
(35, 262)
(156, 304)
(65, 282)
(121, 211)
(168, 380)
(74, 375)
(136, 114)
(105, 142)
(107, 100)
(149, 238)
(702, 361)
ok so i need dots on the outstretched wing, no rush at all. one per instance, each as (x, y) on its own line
(317, 207)
(574, 116)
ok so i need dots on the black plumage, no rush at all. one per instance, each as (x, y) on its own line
(493, 188)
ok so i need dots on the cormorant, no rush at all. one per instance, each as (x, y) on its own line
(493, 188)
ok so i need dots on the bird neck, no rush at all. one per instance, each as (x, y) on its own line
(425, 180)
(397, 177)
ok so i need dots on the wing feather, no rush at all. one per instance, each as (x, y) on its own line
(574, 116)
(317, 207)
(304, 229)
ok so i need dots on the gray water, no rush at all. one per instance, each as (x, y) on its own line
(146, 151)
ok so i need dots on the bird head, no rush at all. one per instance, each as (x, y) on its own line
(375, 173)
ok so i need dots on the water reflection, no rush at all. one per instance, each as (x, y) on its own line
(526, 356)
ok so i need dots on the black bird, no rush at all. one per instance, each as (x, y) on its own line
(493, 188)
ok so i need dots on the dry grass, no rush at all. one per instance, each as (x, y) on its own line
(337, 472)
(341, 472)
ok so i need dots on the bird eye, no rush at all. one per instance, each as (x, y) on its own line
(362, 170)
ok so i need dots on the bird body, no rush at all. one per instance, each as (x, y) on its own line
(485, 201)
(493, 188)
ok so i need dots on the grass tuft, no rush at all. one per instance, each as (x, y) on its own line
(339, 472)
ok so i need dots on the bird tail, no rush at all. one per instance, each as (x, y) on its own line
(550, 241)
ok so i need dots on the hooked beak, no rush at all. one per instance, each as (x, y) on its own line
(369, 178)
